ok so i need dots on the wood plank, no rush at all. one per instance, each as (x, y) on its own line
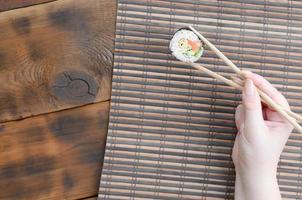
(55, 56)
(91, 198)
(13, 4)
(53, 156)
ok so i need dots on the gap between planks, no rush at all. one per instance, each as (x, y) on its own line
(24, 6)
(94, 197)
(55, 111)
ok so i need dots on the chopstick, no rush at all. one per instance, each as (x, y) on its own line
(265, 98)
(285, 113)
(289, 112)
(218, 53)
(294, 115)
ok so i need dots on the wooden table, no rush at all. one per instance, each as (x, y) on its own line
(55, 75)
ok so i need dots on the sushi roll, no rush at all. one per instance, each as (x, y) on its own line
(186, 46)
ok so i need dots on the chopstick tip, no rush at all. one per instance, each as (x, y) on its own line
(191, 27)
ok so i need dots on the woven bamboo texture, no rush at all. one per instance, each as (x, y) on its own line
(172, 128)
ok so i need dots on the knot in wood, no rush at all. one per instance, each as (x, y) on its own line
(75, 87)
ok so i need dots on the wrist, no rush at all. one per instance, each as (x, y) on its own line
(267, 173)
(259, 177)
(256, 170)
(260, 185)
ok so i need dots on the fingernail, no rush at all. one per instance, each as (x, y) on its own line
(237, 80)
(246, 73)
(246, 70)
(238, 113)
(249, 88)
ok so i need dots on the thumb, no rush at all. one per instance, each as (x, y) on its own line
(253, 118)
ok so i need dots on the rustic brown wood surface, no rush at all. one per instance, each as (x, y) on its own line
(55, 56)
(12, 4)
(91, 198)
(53, 156)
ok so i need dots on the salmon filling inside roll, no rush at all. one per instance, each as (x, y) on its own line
(186, 46)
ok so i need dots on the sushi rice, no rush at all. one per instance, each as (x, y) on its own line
(186, 46)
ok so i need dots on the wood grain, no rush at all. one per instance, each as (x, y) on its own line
(53, 156)
(12, 4)
(91, 198)
(55, 56)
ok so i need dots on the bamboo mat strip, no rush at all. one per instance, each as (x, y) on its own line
(172, 128)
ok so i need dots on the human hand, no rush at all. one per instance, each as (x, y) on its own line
(262, 135)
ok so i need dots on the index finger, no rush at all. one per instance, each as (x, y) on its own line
(267, 88)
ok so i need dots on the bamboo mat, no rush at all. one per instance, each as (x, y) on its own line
(172, 129)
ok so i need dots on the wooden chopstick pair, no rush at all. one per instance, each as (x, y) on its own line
(290, 116)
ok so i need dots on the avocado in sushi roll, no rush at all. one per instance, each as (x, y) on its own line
(186, 46)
